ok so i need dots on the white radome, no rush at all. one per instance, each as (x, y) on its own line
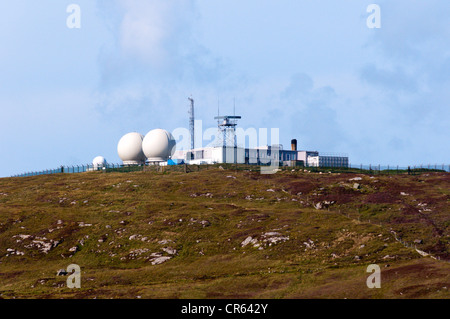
(99, 162)
(130, 149)
(158, 145)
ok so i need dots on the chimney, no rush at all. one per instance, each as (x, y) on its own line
(294, 144)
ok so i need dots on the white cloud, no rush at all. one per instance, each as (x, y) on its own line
(150, 29)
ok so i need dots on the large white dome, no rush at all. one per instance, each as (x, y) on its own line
(158, 145)
(98, 162)
(130, 149)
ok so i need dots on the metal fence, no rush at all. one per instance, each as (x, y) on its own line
(393, 168)
(352, 168)
(73, 169)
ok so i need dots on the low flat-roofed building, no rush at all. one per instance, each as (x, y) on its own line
(264, 155)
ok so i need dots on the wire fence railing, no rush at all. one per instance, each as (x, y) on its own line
(421, 167)
(351, 168)
(440, 167)
(77, 169)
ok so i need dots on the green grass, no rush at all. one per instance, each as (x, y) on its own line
(205, 216)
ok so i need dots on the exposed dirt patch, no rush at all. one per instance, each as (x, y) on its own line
(303, 187)
(381, 198)
(10, 275)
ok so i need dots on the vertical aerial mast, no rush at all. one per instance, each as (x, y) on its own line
(191, 121)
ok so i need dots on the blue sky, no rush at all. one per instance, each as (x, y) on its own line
(311, 68)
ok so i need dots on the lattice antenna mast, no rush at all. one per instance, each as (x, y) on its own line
(227, 128)
(192, 122)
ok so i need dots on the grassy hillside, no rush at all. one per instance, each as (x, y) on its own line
(225, 234)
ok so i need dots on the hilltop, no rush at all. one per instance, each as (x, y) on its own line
(225, 234)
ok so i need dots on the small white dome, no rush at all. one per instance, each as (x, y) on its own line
(99, 161)
(158, 145)
(130, 149)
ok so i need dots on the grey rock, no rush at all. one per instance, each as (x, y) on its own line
(170, 250)
(160, 260)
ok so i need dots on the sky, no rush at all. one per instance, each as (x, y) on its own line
(313, 69)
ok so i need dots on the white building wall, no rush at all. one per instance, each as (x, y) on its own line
(234, 155)
(313, 161)
(217, 155)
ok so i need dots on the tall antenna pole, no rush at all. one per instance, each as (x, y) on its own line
(218, 109)
(235, 137)
(234, 106)
(192, 121)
